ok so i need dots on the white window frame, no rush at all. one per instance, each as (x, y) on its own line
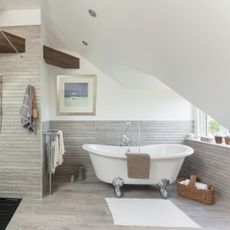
(201, 128)
(200, 123)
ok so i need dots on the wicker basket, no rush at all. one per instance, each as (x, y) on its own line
(191, 192)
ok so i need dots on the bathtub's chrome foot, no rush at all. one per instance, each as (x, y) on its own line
(118, 183)
(161, 185)
(164, 193)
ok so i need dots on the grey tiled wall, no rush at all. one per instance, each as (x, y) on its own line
(77, 133)
(212, 164)
(20, 152)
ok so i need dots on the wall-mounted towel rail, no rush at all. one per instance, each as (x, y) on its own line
(51, 134)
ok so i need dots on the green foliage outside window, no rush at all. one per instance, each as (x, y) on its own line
(215, 128)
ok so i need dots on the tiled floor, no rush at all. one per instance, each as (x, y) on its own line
(82, 206)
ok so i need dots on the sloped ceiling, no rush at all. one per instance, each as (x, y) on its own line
(185, 44)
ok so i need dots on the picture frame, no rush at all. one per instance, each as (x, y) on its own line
(76, 95)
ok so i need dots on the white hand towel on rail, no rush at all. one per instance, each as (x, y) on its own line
(59, 151)
(60, 133)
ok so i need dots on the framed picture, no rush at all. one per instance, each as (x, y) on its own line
(76, 94)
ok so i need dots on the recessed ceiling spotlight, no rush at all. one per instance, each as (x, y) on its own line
(85, 43)
(92, 13)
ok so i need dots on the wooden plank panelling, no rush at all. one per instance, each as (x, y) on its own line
(60, 59)
(20, 151)
(77, 133)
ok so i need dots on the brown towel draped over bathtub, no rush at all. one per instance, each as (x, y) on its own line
(138, 165)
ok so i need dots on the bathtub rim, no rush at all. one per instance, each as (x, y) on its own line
(188, 151)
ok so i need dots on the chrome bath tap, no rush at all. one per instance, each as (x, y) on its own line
(125, 139)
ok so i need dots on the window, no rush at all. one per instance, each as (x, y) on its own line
(208, 126)
(213, 127)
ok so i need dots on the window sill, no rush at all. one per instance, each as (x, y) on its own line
(209, 143)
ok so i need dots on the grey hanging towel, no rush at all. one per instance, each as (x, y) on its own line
(26, 111)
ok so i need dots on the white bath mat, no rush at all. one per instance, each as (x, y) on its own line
(148, 212)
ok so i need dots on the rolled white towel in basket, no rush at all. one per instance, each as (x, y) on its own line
(185, 182)
(201, 186)
(198, 185)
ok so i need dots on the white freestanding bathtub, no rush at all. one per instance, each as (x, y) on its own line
(110, 162)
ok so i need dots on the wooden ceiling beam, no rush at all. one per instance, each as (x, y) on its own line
(60, 59)
(18, 42)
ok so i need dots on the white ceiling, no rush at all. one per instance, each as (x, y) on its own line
(19, 4)
(185, 44)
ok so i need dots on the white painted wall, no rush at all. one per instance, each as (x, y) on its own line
(117, 101)
(20, 17)
(45, 111)
(20, 4)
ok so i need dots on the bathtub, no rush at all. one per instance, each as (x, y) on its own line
(110, 162)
